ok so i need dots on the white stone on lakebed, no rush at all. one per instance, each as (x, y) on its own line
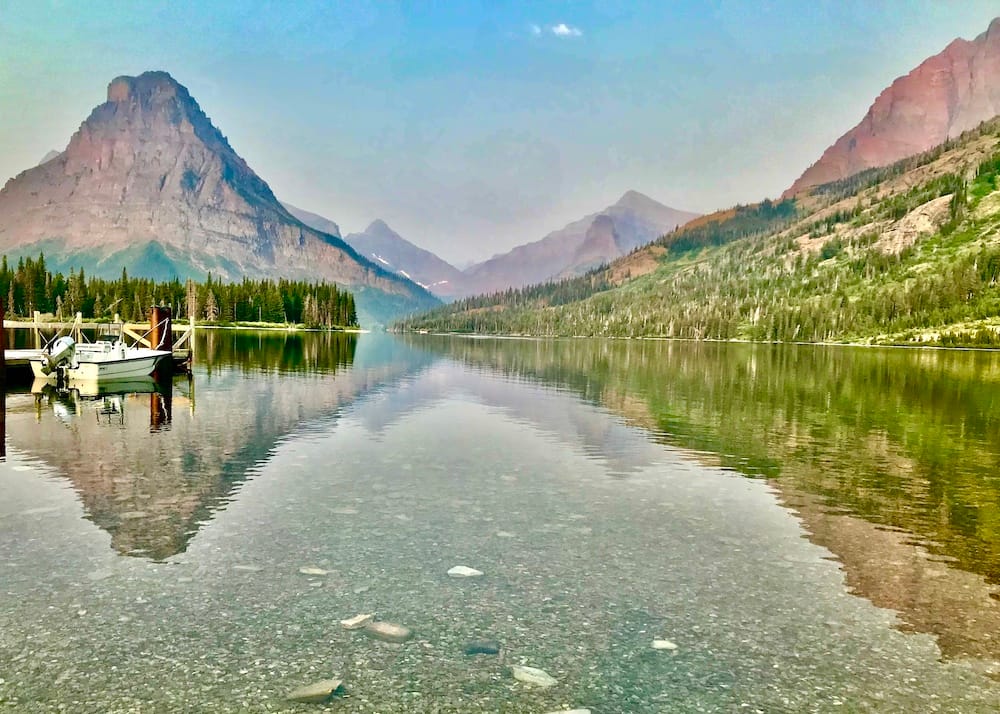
(533, 675)
(316, 692)
(663, 645)
(309, 570)
(463, 571)
(357, 622)
(388, 631)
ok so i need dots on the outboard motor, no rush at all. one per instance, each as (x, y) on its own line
(60, 351)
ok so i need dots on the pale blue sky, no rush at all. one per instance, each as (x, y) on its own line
(471, 127)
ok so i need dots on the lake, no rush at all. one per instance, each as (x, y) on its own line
(800, 528)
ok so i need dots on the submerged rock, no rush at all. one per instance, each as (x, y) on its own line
(463, 571)
(533, 675)
(663, 645)
(388, 631)
(357, 622)
(571, 711)
(308, 570)
(487, 647)
(315, 693)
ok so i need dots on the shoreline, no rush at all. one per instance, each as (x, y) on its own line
(482, 335)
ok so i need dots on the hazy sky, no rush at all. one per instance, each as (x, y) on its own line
(471, 127)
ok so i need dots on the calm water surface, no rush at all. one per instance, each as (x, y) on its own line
(816, 529)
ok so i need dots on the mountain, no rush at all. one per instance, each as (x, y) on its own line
(49, 155)
(314, 220)
(949, 93)
(634, 220)
(379, 243)
(600, 244)
(904, 254)
(148, 183)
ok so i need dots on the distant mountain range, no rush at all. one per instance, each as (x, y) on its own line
(907, 211)
(905, 254)
(149, 184)
(949, 93)
(382, 245)
(598, 238)
(635, 220)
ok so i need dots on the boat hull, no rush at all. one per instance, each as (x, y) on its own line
(125, 364)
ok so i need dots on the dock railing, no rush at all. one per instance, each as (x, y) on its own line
(158, 333)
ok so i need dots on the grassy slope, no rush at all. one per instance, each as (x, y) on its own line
(909, 253)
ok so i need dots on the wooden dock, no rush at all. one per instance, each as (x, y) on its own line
(157, 334)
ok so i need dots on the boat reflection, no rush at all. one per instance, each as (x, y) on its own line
(106, 399)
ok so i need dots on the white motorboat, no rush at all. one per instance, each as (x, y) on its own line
(92, 361)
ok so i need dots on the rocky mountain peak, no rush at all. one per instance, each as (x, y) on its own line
(951, 92)
(636, 201)
(152, 128)
(385, 246)
(148, 173)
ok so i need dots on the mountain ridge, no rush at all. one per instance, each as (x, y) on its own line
(904, 254)
(945, 95)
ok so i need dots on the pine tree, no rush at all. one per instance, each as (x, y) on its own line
(211, 307)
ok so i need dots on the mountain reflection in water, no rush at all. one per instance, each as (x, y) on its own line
(299, 479)
(165, 466)
(889, 457)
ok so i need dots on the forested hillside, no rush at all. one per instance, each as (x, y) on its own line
(907, 253)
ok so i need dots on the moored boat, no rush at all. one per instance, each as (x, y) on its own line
(91, 361)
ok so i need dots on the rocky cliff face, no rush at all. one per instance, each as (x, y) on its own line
(379, 243)
(634, 220)
(947, 94)
(149, 175)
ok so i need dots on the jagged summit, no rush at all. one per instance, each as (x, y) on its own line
(149, 88)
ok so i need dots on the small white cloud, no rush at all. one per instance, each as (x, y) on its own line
(535, 30)
(564, 30)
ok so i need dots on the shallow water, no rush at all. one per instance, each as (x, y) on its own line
(815, 529)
